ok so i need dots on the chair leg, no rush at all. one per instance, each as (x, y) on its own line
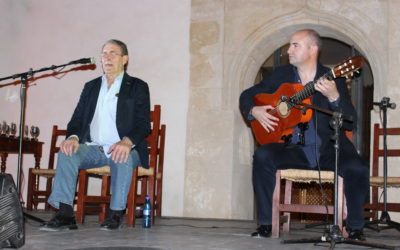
(29, 199)
(82, 191)
(342, 207)
(340, 203)
(275, 206)
(287, 200)
(131, 204)
(151, 193)
(158, 198)
(374, 202)
(49, 184)
(143, 188)
(344, 231)
(105, 191)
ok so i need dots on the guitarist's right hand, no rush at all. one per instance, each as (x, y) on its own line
(267, 120)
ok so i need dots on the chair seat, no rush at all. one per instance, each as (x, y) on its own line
(307, 176)
(44, 172)
(377, 181)
(286, 206)
(106, 171)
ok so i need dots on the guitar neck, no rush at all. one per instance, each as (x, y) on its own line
(309, 89)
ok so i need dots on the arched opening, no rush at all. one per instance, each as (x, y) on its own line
(360, 88)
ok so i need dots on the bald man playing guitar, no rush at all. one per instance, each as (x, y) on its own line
(308, 145)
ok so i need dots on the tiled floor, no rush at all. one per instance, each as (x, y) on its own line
(175, 233)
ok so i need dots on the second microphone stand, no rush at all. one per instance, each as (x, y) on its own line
(333, 234)
(385, 217)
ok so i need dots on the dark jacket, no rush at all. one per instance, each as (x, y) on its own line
(286, 74)
(133, 111)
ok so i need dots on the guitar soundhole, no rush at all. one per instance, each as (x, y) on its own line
(283, 109)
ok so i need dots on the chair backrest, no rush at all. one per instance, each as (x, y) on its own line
(153, 137)
(53, 145)
(378, 151)
(160, 149)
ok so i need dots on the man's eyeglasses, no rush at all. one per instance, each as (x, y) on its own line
(110, 54)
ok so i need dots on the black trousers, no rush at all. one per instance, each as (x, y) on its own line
(271, 157)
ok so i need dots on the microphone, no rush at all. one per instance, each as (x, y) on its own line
(385, 103)
(89, 60)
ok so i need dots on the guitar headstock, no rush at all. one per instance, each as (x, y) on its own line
(348, 67)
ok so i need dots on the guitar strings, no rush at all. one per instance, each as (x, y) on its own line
(307, 91)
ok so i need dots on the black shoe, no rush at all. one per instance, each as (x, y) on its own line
(59, 223)
(356, 234)
(113, 221)
(263, 231)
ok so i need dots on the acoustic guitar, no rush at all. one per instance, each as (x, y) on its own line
(289, 95)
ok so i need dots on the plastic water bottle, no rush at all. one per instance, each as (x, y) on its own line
(146, 219)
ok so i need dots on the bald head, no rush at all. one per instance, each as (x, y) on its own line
(313, 36)
(304, 48)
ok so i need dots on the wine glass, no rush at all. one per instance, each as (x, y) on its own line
(13, 130)
(7, 130)
(35, 131)
(3, 128)
(26, 132)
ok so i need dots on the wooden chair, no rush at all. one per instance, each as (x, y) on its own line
(83, 199)
(376, 178)
(286, 207)
(34, 194)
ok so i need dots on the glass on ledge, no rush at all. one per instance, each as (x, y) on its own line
(13, 130)
(5, 129)
(35, 131)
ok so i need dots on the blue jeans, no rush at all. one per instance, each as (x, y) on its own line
(91, 157)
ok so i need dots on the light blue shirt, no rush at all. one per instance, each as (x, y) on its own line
(103, 128)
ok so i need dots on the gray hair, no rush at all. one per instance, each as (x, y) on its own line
(121, 45)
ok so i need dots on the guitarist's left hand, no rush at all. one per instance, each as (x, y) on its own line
(328, 89)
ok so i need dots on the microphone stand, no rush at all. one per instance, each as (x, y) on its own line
(333, 234)
(385, 217)
(24, 84)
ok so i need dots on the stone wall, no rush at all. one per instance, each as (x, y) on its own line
(229, 42)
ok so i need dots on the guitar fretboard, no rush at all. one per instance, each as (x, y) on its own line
(307, 91)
